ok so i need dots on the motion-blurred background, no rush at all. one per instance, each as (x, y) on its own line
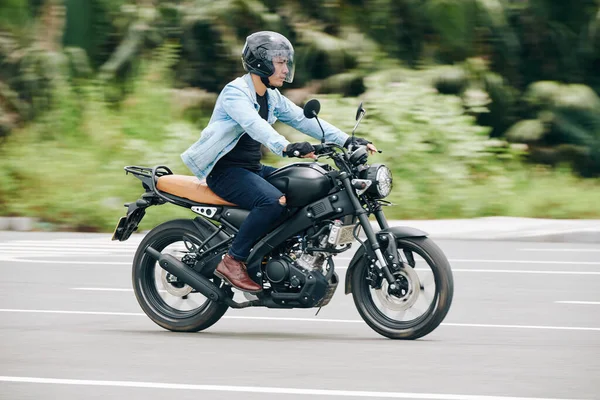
(482, 107)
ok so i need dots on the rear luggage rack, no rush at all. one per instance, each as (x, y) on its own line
(149, 177)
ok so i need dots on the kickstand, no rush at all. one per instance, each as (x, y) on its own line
(318, 311)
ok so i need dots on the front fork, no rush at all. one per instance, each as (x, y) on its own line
(374, 250)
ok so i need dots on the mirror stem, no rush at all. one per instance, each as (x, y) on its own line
(362, 114)
(319, 122)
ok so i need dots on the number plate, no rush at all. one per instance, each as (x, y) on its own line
(120, 224)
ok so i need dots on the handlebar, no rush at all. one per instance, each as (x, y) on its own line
(326, 148)
(321, 148)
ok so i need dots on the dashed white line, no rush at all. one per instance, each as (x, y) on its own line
(64, 261)
(261, 389)
(127, 314)
(291, 319)
(525, 262)
(508, 271)
(520, 271)
(565, 250)
(579, 302)
(64, 250)
(109, 289)
(97, 289)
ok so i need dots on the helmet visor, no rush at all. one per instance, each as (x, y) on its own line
(283, 63)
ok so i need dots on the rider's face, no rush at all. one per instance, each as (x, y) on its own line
(281, 71)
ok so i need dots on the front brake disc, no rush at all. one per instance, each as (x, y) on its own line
(403, 303)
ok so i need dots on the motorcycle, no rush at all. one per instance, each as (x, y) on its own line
(400, 280)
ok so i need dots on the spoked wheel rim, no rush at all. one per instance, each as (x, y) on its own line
(163, 292)
(415, 297)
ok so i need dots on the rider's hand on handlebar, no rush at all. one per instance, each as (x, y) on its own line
(362, 142)
(372, 149)
(302, 150)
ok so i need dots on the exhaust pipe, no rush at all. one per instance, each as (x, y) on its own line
(188, 276)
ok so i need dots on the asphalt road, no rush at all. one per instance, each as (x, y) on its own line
(525, 323)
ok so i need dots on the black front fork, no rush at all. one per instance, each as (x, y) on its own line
(374, 250)
(381, 219)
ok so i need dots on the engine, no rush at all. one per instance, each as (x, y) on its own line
(289, 271)
(297, 273)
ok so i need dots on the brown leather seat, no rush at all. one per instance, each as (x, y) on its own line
(191, 188)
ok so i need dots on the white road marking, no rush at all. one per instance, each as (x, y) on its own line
(508, 271)
(110, 289)
(579, 302)
(559, 328)
(291, 319)
(519, 271)
(63, 249)
(8, 245)
(451, 260)
(63, 245)
(129, 314)
(96, 246)
(97, 289)
(566, 250)
(525, 262)
(76, 241)
(261, 389)
(67, 253)
(64, 262)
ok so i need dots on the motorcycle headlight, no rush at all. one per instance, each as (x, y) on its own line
(381, 176)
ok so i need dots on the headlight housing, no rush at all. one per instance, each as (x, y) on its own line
(381, 176)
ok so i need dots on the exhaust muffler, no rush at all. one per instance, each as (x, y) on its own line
(188, 276)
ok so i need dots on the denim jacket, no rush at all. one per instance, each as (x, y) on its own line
(236, 113)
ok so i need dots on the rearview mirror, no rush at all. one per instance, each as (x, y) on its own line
(312, 108)
(360, 111)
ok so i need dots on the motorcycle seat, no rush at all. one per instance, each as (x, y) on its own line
(191, 188)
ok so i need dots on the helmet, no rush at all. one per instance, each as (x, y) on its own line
(261, 48)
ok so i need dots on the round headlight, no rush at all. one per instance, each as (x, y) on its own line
(382, 180)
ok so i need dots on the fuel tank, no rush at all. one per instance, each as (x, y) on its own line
(302, 183)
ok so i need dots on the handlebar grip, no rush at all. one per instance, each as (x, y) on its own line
(320, 148)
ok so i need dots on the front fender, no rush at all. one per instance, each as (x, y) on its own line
(399, 232)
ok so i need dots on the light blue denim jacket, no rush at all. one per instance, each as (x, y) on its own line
(236, 113)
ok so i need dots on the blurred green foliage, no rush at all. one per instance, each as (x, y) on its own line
(458, 93)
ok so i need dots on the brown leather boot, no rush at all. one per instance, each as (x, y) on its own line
(234, 272)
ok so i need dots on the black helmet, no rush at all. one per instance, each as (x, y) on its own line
(261, 48)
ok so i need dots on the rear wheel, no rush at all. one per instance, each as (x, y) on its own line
(419, 299)
(169, 303)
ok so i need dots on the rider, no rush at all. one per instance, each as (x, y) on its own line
(228, 152)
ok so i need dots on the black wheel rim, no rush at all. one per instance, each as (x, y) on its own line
(420, 262)
(152, 289)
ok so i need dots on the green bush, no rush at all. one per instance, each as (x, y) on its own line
(444, 165)
(319, 55)
(348, 84)
(566, 128)
(451, 80)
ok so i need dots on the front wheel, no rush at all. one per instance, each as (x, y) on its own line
(418, 301)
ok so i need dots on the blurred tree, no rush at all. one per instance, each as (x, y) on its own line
(565, 126)
(91, 25)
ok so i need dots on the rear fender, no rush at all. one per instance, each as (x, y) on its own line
(399, 232)
(135, 212)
